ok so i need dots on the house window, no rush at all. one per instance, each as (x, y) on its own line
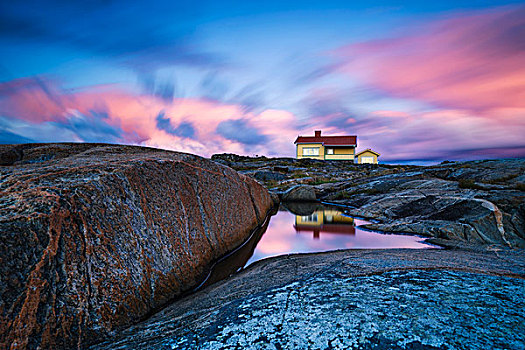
(311, 151)
(310, 218)
(329, 151)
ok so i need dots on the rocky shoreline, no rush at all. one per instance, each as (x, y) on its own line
(467, 296)
(99, 243)
(475, 203)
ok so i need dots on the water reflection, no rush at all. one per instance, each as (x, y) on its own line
(311, 227)
(324, 221)
(306, 228)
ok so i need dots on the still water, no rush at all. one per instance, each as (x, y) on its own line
(323, 229)
(306, 228)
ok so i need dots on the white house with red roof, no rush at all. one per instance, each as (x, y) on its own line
(326, 147)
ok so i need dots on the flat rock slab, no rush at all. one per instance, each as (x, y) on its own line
(353, 299)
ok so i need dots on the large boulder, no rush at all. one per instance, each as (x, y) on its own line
(300, 193)
(96, 237)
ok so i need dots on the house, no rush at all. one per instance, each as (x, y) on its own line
(367, 157)
(326, 147)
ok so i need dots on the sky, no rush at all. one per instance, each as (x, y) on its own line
(416, 81)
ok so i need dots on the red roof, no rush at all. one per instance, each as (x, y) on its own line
(328, 140)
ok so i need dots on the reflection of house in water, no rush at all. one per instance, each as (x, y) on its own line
(326, 221)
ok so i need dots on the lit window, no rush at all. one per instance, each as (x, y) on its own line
(329, 151)
(311, 151)
(310, 218)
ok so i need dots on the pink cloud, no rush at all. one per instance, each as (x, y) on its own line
(39, 102)
(32, 99)
(470, 61)
(443, 134)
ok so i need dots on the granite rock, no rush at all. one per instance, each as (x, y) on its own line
(443, 208)
(473, 203)
(96, 237)
(352, 299)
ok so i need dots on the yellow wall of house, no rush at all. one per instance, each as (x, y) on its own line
(348, 150)
(339, 157)
(310, 145)
(366, 154)
(320, 217)
(343, 153)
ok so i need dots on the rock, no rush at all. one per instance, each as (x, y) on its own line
(359, 299)
(302, 208)
(10, 155)
(97, 237)
(420, 203)
(475, 202)
(300, 193)
(268, 176)
(231, 157)
(281, 169)
(275, 198)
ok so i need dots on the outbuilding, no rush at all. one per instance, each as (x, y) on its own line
(367, 157)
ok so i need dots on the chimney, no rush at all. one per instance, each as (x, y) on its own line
(317, 133)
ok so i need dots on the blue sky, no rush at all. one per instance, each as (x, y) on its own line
(414, 80)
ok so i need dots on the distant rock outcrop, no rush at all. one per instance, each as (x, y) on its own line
(96, 237)
(299, 193)
(479, 202)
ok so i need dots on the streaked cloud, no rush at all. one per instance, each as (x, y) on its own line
(7, 137)
(469, 61)
(412, 84)
(239, 130)
(91, 127)
(110, 114)
(184, 129)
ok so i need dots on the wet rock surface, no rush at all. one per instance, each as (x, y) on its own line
(96, 237)
(475, 203)
(368, 299)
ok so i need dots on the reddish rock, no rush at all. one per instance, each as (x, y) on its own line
(96, 237)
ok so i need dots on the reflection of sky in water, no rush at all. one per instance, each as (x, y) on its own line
(286, 235)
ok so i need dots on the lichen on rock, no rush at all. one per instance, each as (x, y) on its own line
(350, 299)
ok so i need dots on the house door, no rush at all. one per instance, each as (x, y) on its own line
(367, 160)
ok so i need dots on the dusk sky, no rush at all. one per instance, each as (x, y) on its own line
(414, 80)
